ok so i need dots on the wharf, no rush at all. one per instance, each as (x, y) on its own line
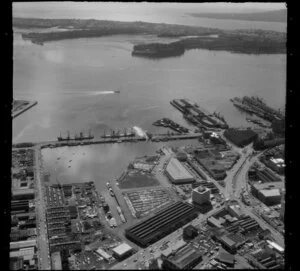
(23, 107)
(135, 139)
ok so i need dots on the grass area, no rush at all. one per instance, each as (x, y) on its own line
(137, 179)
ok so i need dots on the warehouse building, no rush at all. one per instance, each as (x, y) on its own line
(240, 137)
(214, 222)
(267, 176)
(177, 173)
(235, 211)
(22, 244)
(266, 193)
(162, 223)
(23, 194)
(213, 167)
(122, 251)
(228, 244)
(185, 258)
(226, 258)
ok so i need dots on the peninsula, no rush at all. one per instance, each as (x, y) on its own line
(189, 37)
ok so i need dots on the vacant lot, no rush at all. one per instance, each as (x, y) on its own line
(137, 179)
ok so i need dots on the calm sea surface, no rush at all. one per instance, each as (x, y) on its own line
(71, 80)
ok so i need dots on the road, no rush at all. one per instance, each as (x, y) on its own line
(153, 251)
(40, 205)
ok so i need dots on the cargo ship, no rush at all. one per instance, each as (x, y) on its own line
(118, 133)
(83, 137)
(60, 138)
(76, 137)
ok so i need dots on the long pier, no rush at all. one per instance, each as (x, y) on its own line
(135, 139)
(18, 112)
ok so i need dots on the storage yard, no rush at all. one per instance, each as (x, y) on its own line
(143, 202)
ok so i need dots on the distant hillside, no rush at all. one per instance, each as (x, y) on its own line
(268, 16)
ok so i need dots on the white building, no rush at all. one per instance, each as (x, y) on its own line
(122, 251)
(201, 195)
(177, 173)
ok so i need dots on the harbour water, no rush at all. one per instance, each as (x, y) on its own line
(73, 80)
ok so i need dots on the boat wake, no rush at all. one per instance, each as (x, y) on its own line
(96, 93)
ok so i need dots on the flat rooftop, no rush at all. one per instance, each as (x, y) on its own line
(177, 170)
(122, 249)
(185, 256)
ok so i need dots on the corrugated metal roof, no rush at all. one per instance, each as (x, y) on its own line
(177, 170)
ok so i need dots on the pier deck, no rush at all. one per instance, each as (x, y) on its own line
(155, 138)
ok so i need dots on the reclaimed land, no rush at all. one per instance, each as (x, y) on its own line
(236, 41)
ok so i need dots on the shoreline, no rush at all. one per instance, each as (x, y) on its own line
(236, 41)
(24, 109)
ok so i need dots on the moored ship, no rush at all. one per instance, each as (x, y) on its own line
(76, 137)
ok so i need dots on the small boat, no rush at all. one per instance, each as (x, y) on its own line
(70, 161)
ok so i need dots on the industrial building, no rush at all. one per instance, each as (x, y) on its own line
(201, 195)
(235, 211)
(239, 137)
(208, 184)
(211, 165)
(266, 193)
(226, 258)
(23, 194)
(177, 173)
(214, 222)
(228, 244)
(189, 232)
(122, 251)
(267, 176)
(276, 164)
(22, 244)
(184, 258)
(162, 223)
(103, 254)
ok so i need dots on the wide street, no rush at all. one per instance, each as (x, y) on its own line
(42, 240)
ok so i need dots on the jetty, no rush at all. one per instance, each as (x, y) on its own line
(134, 139)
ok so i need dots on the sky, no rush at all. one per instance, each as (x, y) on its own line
(39, 7)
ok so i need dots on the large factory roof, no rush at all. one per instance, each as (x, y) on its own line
(177, 171)
(148, 230)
